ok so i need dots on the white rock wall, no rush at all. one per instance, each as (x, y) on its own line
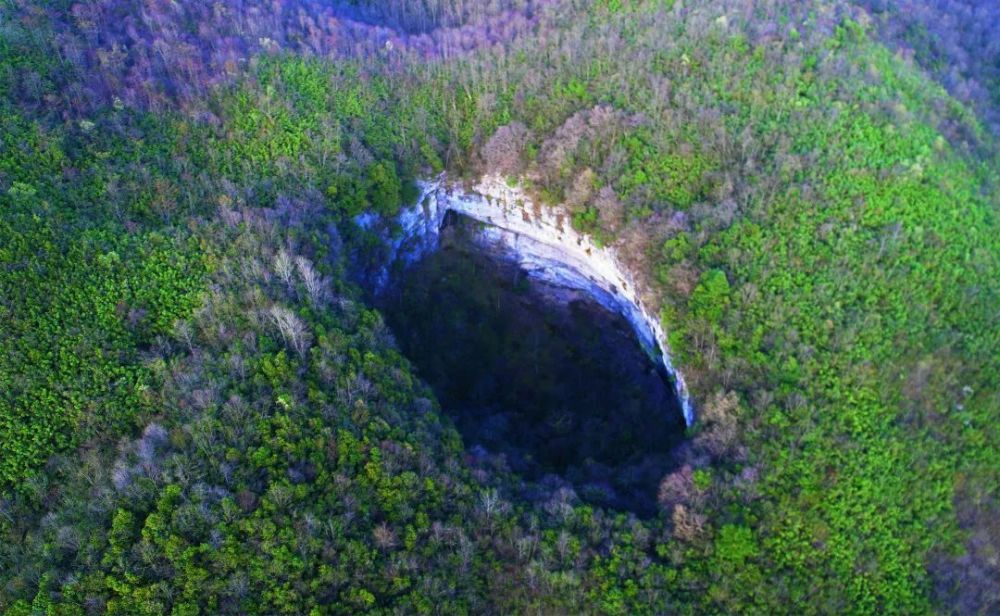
(542, 242)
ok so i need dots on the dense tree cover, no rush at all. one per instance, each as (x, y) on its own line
(81, 297)
(198, 415)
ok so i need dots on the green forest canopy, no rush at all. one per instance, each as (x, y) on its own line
(187, 428)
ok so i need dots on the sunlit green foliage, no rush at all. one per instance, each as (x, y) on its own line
(80, 302)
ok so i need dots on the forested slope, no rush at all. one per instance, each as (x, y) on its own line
(198, 413)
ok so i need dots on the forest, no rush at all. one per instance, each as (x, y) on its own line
(203, 412)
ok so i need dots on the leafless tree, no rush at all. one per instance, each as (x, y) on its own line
(182, 331)
(316, 286)
(688, 525)
(676, 488)
(384, 536)
(720, 414)
(489, 502)
(502, 153)
(292, 329)
(283, 267)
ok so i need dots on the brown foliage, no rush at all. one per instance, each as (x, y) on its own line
(384, 536)
(676, 488)
(688, 525)
(502, 153)
(719, 414)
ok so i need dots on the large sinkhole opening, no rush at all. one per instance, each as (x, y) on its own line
(544, 376)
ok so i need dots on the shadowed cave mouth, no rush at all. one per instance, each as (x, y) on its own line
(544, 377)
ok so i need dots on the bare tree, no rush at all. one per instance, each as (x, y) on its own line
(283, 267)
(502, 153)
(183, 333)
(676, 488)
(316, 285)
(720, 415)
(489, 501)
(688, 525)
(384, 536)
(292, 329)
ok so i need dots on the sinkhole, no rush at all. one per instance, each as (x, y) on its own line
(543, 375)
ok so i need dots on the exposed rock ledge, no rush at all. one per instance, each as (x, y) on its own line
(542, 242)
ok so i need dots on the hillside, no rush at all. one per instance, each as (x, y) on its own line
(204, 411)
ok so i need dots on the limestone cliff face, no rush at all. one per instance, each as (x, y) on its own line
(541, 240)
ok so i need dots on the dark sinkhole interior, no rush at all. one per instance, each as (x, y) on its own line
(545, 377)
